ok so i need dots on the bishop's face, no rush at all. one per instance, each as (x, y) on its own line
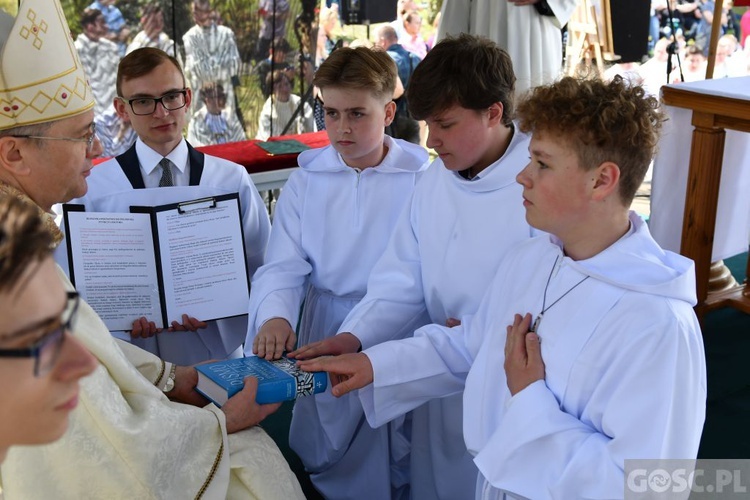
(58, 168)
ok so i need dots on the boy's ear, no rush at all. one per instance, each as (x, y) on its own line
(606, 180)
(390, 112)
(496, 111)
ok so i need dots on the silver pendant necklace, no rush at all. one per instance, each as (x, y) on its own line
(544, 299)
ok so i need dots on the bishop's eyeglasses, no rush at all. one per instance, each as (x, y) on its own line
(88, 138)
(147, 105)
(46, 350)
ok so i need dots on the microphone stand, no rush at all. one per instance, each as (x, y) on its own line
(672, 47)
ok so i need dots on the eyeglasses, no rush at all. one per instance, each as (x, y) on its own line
(89, 139)
(47, 349)
(147, 105)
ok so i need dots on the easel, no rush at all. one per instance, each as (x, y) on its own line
(589, 37)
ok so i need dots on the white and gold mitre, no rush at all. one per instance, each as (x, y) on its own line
(41, 78)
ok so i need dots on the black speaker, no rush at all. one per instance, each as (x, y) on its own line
(630, 21)
(367, 11)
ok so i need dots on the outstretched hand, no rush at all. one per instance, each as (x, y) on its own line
(274, 337)
(523, 355)
(241, 410)
(347, 372)
(343, 343)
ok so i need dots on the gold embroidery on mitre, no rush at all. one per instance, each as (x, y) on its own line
(34, 29)
(41, 77)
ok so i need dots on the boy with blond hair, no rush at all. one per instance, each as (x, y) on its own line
(585, 351)
(332, 222)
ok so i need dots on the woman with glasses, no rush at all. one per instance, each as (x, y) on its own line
(40, 361)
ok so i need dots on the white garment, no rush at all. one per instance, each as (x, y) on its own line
(162, 42)
(276, 114)
(654, 74)
(115, 135)
(211, 56)
(440, 260)
(670, 179)
(533, 41)
(111, 191)
(332, 222)
(625, 373)
(99, 59)
(225, 128)
(126, 440)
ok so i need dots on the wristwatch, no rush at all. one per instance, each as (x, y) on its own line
(169, 385)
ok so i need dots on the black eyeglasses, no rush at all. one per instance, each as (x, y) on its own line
(47, 349)
(147, 105)
(89, 139)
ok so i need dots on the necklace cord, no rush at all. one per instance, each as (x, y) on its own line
(546, 308)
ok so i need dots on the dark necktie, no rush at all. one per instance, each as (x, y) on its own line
(166, 173)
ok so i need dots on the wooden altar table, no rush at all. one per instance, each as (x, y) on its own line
(716, 180)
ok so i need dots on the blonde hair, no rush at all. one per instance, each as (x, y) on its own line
(358, 68)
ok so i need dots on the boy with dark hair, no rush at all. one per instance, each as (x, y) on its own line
(620, 373)
(332, 221)
(449, 242)
(152, 95)
(467, 71)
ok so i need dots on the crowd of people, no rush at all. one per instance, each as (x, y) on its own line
(211, 62)
(496, 323)
(679, 45)
(210, 57)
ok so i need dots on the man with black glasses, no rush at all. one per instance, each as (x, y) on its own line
(139, 430)
(152, 96)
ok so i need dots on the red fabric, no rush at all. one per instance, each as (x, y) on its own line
(255, 159)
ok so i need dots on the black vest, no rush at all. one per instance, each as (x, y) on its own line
(131, 166)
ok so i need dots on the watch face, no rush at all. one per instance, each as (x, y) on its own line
(170, 385)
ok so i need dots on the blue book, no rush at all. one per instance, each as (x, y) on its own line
(278, 380)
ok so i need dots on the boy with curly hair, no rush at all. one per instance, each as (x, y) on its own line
(585, 351)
